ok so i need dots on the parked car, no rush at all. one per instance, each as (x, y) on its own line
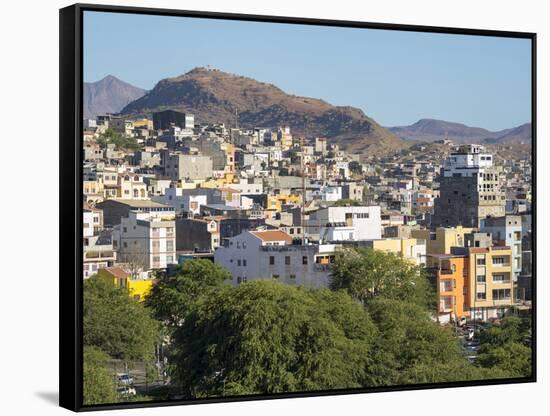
(125, 379)
(126, 391)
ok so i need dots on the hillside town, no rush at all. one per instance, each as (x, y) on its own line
(265, 203)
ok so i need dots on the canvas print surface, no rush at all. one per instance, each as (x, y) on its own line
(279, 208)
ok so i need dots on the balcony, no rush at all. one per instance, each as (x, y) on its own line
(321, 267)
(502, 265)
(503, 302)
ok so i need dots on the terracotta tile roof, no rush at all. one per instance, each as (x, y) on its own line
(272, 235)
(117, 271)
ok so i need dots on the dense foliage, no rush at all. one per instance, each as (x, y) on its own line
(266, 337)
(506, 347)
(98, 382)
(120, 141)
(172, 297)
(413, 349)
(117, 324)
(366, 274)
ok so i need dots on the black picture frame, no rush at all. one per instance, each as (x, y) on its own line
(71, 192)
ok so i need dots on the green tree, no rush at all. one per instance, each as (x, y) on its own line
(412, 348)
(506, 347)
(172, 297)
(366, 274)
(98, 382)
(510, 329)
(120, 141)
(117, 324)
(512, 358)
(265, 337)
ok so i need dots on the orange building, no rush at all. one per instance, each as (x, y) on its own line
(452, 286)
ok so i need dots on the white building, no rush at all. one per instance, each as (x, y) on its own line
(182, 200)
(467, 161)
(270, 255)
(92, 221)
(98, 254)
(345, 223)
(146, 244)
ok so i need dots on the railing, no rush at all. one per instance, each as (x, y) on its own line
(321, 267)
(507, 301)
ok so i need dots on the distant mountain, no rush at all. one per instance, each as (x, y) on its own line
(432, 130)
(520, 134)
(215, 96)
(108, 95)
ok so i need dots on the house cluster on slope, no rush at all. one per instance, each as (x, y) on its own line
(267, 204)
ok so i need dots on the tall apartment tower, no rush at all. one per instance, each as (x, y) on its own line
(470, 189)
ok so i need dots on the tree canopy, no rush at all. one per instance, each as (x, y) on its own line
(266, 337)
(366, 274)
(413, 349)
(98, 382)
(506, 347)
(117, 324)
(172, 297)
(120, 141)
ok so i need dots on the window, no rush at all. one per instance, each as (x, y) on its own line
(244, 262)
(480, 261)
(481, 296)
(287, 260)
(304, 259)
(271, 260)
(480, 278)
(156, 259)
(275, 276)
(292, 231)
(498, 260)
(501, 294)
(169, 259)
(239, 262)
(169, 245)
(292, 276)
(499, 278)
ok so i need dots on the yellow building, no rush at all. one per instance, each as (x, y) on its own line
(93, 191)
(138, 289)
(441, 241)
(276, 202)
(143, 124)
(491, 287)
(411, 249)
(216, 183)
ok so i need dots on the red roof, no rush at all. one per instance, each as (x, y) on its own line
(272, 235)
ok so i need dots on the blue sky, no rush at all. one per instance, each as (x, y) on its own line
(395, 77)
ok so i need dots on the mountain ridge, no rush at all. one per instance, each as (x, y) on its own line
(108, 95)
(428, 129)
(215, 96)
